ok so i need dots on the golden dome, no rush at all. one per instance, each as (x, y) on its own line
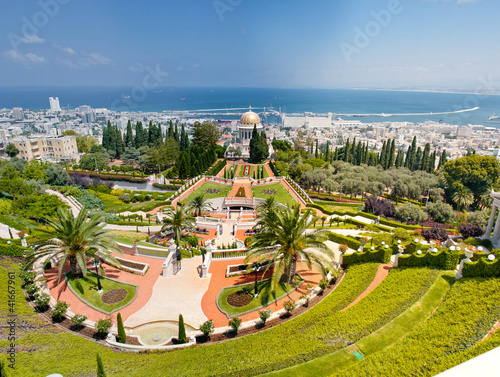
(250, 118)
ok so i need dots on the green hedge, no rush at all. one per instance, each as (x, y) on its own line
(167, 187)
(481, 268)
(214, 170)
(444, 259)
(379, 255)
(349, 241)
(13, 250)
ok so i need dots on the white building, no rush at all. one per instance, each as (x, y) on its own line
(18, 113)
(52, 148)
(308, 121)
(54, 104)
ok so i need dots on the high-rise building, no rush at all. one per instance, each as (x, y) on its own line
(84, 109)
(88, 117)
(54, 104)
(18, 113)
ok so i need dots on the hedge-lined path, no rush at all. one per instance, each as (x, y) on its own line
(382, 338)
(219, 281)
(268, 169)
(145, 285)
(382, 273)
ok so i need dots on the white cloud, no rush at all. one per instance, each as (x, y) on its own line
(25, 59)
(32, 39)
(83, 59)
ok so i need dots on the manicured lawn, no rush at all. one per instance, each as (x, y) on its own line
(380, 339)
(86, 290)
(221, 192)
(242, 171)
(266, 296)
(282, 195)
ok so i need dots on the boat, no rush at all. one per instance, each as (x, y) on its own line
(182, 99)
(494, 116)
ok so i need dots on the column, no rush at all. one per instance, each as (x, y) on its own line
(496, 232)
(487, 234)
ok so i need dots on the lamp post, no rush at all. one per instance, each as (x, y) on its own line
(97, 264)
(96, 168)
(256, 268)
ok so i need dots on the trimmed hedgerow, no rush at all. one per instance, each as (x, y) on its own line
(444, 259)
(483, 268)
(349, 241)
(379, 255)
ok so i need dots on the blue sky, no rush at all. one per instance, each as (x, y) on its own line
(251, 43)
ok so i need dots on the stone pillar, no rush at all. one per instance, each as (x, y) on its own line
(496, 232)
(487, 234)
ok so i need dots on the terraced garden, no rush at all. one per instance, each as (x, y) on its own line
(372, 325)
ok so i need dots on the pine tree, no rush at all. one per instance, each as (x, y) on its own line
(100, 367)
(182, 331)
(122, 337)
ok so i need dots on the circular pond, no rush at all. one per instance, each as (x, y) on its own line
(158, 333)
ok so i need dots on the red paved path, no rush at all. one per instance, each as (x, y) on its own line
(219, 281)
(381, 274)
(62, 292)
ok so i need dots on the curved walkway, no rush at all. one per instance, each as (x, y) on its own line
(382, 273)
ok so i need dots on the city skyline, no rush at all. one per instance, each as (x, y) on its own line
(434, 44)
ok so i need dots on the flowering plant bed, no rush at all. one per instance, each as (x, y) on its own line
(241, 193)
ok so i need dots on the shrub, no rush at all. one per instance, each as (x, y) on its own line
(264, 315)
(323, 284)
(441, 212)
(47, 265)
(380, 255)
(235, 323)
(380, 207)
(445, 260)
(401, 234)
(410, 212)
(470, 230)
(124, 198)
(102, 326)
(28, 277)
(247, 241)
(78, 319)
(122, 336)
(60, 310)
(31, 289)
(182, 331)
(42, 300)
(289, 306)
(435, 233)
(207, 328)
(480, 218)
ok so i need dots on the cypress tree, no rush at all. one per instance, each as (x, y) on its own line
(408, 158)
(432, 163)
(122, 337)
(327, 152)
(176, 133)
(120, 146)
(392, 155)
(129, 137)
(400, 158)
(442, 159)
(418, 159)
(182, 331)
(426, 158)
(139, 134)
(346, 149)
(171, 129)
(382, 155)
(316, 152)
(100, 367)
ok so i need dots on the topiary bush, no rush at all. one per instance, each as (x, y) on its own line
(289, 306)
(182, 331)
(264, 315)
(122, 336)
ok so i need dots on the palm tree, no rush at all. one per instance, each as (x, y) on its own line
(284, 238)
(75, 239)
(463, 197)
(176, 220)
(199, 204)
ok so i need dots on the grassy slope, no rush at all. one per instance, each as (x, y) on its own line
(382, 338)
(71, 355)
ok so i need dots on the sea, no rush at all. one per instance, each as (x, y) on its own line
(290, 101)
